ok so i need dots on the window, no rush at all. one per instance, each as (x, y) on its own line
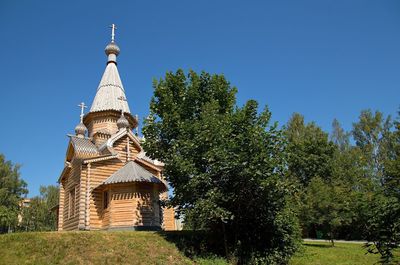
(71, 204)
(105, 200)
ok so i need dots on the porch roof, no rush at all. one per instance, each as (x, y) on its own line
(133, 172)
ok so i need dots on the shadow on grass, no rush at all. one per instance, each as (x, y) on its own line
(318, 245)
(195, 243)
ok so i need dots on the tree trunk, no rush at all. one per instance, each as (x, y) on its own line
(225, 241)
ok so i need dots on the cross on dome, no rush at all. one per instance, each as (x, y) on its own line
(80, 129)
(82, 106)
(122, 122)
(113, 28)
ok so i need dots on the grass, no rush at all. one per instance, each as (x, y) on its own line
(89, 248)
(321, 253)
(127, 247)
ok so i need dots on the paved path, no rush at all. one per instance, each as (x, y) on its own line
(336, 241)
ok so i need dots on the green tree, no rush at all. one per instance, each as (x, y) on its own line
(372, 134)
(383, 213)
(392, 163)
(12, 190)
(39, 215)
(225, 164)
(328, 206)
(337, 169)
(348, 173)
(310, 151)
(339, 136)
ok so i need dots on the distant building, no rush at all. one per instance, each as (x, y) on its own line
(108, 182)
(23, 204)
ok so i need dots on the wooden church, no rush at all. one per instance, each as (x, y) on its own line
(108, 182)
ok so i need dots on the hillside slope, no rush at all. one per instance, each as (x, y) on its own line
(123, 247)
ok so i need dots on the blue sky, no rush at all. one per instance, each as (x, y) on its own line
(325, 59)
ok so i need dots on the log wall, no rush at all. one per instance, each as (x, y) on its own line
(133, 204)
(99, 172)
(71, 186)
(130, 204)
(121, 145)
(103, 123)
(61, 207)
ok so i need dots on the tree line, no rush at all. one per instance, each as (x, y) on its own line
(36, 214)
(259, 187)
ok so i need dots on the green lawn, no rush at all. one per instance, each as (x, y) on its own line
(145, 248)
(320, 253)
(88, 248)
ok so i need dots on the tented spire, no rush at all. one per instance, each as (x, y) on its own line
(110, 88)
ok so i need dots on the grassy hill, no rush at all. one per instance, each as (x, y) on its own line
(123, 247)
(126, 247)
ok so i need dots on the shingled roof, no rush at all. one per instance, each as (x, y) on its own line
(133, 172)
(110, 93)
(84, 147)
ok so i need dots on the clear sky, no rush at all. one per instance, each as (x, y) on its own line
(325, 59)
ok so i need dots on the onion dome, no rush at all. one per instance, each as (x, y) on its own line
(112, 48)
(112, 51)
(122, 122)
(80, 130)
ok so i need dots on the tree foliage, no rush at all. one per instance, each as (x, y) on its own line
(372, 134)
(310, 151)
(238, 175)
(383, 213)
(327, 206)
(12, 191)
(225, 163)
(39, 215)
(357, 195)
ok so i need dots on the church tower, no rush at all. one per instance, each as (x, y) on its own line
(108, 182)
(110, 100)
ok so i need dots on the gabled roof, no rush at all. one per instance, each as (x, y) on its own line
(83, 147)
(110, 93)
(108, 145)
(65, 171)
(133, 172)
(142, 155)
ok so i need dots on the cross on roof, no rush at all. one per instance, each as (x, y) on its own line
(113, 28)
(82, 106)
(122, 99)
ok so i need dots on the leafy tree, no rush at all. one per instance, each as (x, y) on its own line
(349, 170)
(12, 190)
(39, 215)
(372, 134)
(339, 136)
(383, 213)
(382, 228)
(310, 151)
(327, 206)
(338, 171)
(225, 163)
(392, 164)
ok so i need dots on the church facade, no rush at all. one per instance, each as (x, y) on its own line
(107, 181)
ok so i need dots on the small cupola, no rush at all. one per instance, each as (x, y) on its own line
(80, 129)
(122, 122)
